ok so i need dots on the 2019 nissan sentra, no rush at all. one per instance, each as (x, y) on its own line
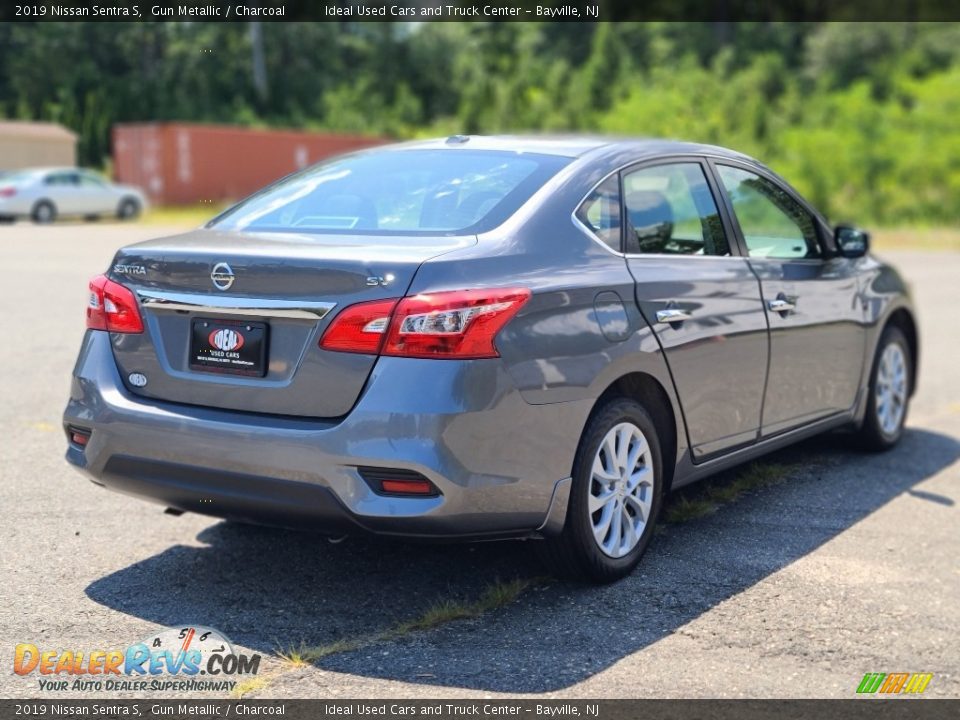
(45, 194)
(478, 338)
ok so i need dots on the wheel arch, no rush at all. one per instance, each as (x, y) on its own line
(649, 392)
(903, 319)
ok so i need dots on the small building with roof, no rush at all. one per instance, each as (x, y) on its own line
(26, 144)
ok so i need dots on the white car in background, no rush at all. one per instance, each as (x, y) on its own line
(44, 194)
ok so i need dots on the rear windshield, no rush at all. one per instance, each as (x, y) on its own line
(398, 191)
(18, 176)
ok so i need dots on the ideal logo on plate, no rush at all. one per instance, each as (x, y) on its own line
(226, 339)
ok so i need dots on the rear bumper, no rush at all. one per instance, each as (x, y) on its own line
(12, 208)
(501, 464)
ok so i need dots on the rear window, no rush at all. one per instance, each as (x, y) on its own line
(398, 191)
(10, 178)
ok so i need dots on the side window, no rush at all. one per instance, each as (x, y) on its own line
(61, 179)
(600, 212)
(90, 181)
(774, 225)
(670, 210)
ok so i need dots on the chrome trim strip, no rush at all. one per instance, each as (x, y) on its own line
(221, 305)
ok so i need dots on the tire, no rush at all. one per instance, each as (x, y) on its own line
(889, 392)
(44, 212)
(577, 553)
(129, 209)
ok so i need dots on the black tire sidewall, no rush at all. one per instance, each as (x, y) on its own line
(578, 528)
(873, 434)
(35, 213)
(129, 209)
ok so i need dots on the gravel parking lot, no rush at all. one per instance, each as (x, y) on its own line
(797, 589)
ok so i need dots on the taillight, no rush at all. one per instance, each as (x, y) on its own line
(8, 192)
(359, 328)
(112, 307)
(458, 324)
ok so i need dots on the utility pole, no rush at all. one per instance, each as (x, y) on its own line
(259, 61)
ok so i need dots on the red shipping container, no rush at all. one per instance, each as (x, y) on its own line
(184, 163)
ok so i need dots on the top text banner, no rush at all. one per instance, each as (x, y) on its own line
(491, 11)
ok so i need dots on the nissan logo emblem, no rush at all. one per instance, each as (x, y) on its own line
(222, 276)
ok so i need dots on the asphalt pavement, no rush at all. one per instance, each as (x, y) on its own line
(849, 566)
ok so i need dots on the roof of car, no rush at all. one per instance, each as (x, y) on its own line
(50, 169)
(570, 145)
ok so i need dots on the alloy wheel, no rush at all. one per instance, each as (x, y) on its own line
(621, 490)
(891, 388)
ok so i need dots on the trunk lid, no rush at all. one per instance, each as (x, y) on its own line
(281, 288)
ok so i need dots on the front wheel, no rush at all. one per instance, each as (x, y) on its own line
(129, 209)
(615, 497)
(889, 392)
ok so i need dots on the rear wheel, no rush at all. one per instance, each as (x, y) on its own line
(128, 209)
(44, 212)
(615, 498)
(889, 392)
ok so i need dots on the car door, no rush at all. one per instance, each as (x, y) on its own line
(702, 300)
(97, 197)
(63, 189)
(811, 298)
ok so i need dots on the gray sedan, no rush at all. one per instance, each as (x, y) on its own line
(478, 338)
(44, 194)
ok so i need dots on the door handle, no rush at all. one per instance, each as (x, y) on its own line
(671, 316)
(782, 305)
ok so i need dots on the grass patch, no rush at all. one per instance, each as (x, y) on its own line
(504, 593)
(302, 655)
(684, 509)
(188, 216)
(443, 612)
(494, 596)
(916, 239)
(708, 497)
(244, 687)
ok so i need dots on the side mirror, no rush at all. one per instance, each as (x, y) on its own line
(851, 242)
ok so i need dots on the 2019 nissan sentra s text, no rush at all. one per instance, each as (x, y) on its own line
(487, 338)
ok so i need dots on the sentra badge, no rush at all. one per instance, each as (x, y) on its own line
(121, 269)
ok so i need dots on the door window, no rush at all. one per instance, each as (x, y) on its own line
(62, 179)
(90, 181)
(670, 210)
(774, 225)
